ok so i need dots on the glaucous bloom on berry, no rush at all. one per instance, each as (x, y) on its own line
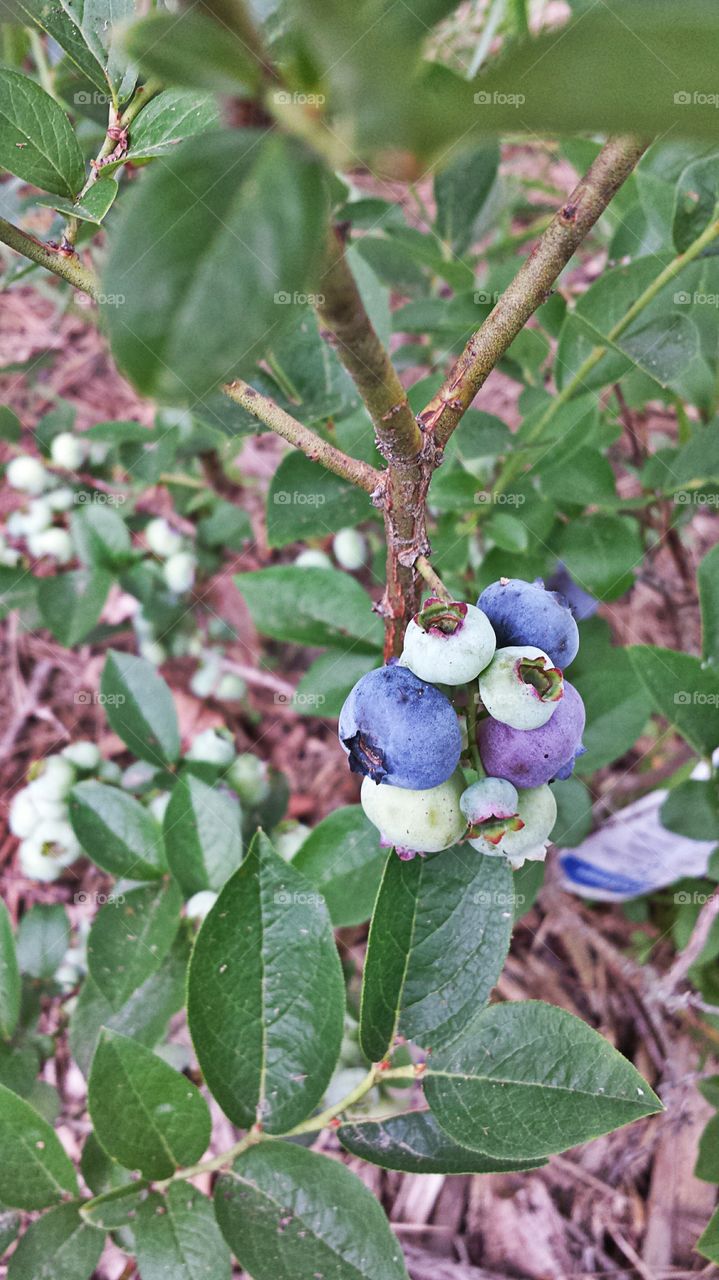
(399, 730)
(526, 613)
(520, 687)
(448, 643)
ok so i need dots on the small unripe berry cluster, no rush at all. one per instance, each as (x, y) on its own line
(33, 526)
(39, 813)
(402, 732)
(180, 564)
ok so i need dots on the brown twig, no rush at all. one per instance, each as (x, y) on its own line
(409, 454)
(532, 284)
(312, 445)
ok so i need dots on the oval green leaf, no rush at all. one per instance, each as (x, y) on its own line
(529, 1079)
(266, 999)
(130, 938)
(140, 709)
(116, 831)
(146, 1115)
(35, 1172)
(438, 939)
(288, 1212)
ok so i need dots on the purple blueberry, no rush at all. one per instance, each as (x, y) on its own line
(526, 613)
(531, 757)
(399, 730)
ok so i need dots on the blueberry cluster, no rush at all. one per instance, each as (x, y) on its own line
(506, 657)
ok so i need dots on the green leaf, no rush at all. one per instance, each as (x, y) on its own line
(59, 23)
(265, 1000)
(305, 501)
(248, 223)
(37, 143)
(101, 536)
(288, 1212)
(116, 1211)
(591, 75)
(35, 1171)
(130, 938)
(461, 191)
(586, 478)
(177, 1235)
(9, 1227)
(692, 809)
(140, 709)
(574, 812)
(415, 1143)
(100, 25)
(10, 427)
(225, 526)
(327, 682)
(71, 603)
(529, 1079)
(116, 831)
(19, 1065)
(601, 553)
(321, 607)
(682, 691)
(144, 1016)
(343, 860)
(707, 1165)
(94, 205)
(708, 1243)
(43, 937)
(618, 706)
(18, 588)
(146, 1115)
(190, 48)
(437, 943)
(170, 118)
(695, 199)
(58, 1246)
(9, 977)
(708, 584)
(203, 834)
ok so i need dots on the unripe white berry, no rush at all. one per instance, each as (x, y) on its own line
(83, 755)
(161, 538)
(212, 747)
(422, 821)
(9, 557)
(110, 771)
(53, 777)
(23, 816)
(179, 572)
(27, 474)
(289, 837)
(55, 543)
(198, 906)
(158, 805)
(68, 451)
(61, 499)
(248, 776)
(152, 651)
(35, 864)
(350, 549)
(231, 688)
(37, 517)
(313, 558)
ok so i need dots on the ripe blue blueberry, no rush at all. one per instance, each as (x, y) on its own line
(422, 821)
(398, 730)
(448, 643)
(526, 613)
(520, 687)
(537, 814)
(528, 759)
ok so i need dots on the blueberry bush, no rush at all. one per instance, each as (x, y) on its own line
(209, 183)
